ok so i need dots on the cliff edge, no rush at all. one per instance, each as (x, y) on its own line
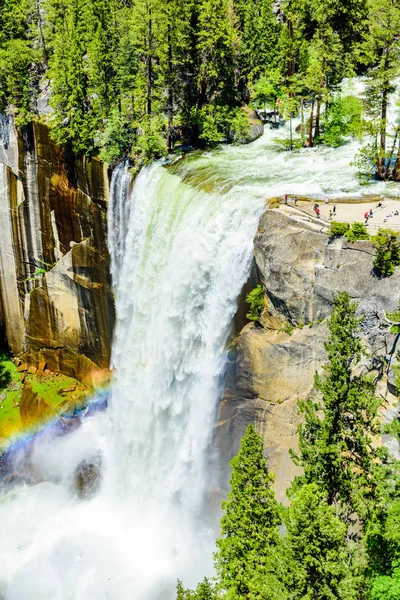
(271, 366)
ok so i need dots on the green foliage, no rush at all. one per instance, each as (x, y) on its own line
(204, 591)
(385, 587)
(267, 89)
(383, 543)
(395, 319)
(387, 252)
(365, 162)
(342, 120)
(249, 526)
(288, 328)
(256, 301)
(357, 231)
(116, 140)
(319, 559)
(335, 440)
(216, 123)
(150, 143)
(5, 375)
(338, 229)
(16, 60)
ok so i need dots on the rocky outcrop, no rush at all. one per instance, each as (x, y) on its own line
(269, 370)
(256, 127)
(56, 302)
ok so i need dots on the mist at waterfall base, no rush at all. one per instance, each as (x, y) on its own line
(181, 249)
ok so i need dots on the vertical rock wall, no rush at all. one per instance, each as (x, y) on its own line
(56, 301)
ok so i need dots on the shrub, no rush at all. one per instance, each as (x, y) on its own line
(117, 138)
(343, 119)
(288, 328)
(338, 229)
(256, 301)
(5, 375)
(151, 140)
(387, 252)
(357, 231)
(217, 124)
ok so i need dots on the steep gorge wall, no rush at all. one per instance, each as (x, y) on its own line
(56, 301)
(269, 370)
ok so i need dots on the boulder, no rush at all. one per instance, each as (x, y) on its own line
(87, 477)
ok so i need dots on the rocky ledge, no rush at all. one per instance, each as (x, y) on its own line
(272, 365)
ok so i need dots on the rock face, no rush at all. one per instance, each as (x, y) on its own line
(56, 302)
(301, 271)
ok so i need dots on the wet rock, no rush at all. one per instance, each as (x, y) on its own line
(87, 477)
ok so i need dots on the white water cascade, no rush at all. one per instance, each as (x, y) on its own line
(181, 247)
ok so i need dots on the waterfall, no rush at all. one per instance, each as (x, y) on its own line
(180, 255)
(118, 215)
(186, 256)
(179, 259)
(181, 240)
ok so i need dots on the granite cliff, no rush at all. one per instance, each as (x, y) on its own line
(56, 301)
(271, 366)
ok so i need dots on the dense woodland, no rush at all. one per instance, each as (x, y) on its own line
(339, 539)
(137, 77)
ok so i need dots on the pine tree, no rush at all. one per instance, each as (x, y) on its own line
(259, 33)
(204, 591)
(217, 39)
(320, 563)
(336, 441)
(249, 526)
(382, 51)
(18, 55)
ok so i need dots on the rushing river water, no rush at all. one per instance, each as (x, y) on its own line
(181, 247)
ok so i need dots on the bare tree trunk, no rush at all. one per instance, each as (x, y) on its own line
(291, 64)
(170, 91)
(149, 65)
(385, 93)
(40, 26)
(317, 132)
(396, 170)
(310, 129)
(302, 121)
(389, 170)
